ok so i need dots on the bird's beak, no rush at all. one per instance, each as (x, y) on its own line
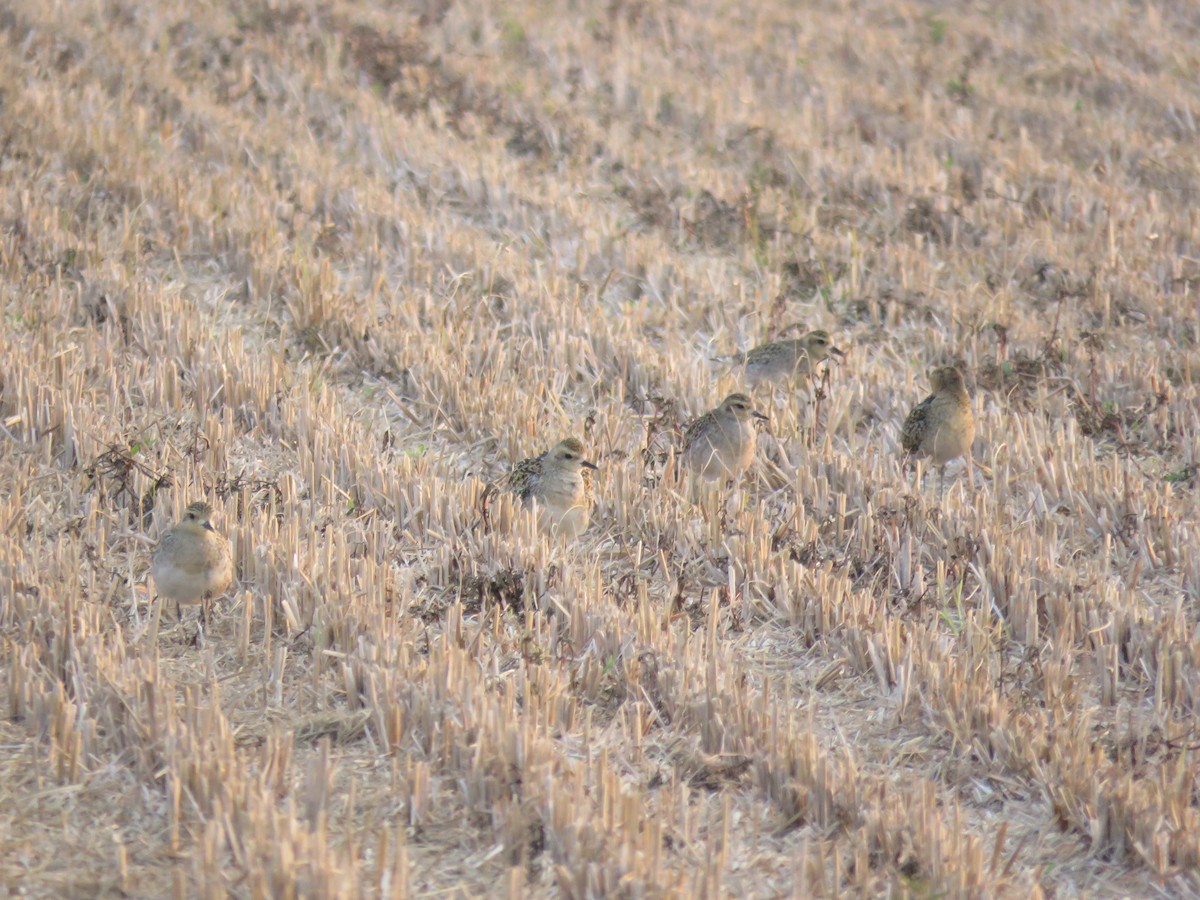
(208, 525)
(838, 353)
(762, 416)
(589, 465)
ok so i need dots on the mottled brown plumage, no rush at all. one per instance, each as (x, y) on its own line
(942, 426)
(781, 361)
(721, 442)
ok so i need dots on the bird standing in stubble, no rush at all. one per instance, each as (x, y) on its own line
(559, 482)
(192, 562)
(942, 425)
(721, 442)
(780, 361)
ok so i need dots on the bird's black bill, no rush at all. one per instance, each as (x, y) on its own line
(589, 465)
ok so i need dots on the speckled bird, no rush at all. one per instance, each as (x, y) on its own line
(192, 562)
(721, 442)
(779, 362)
(942, 426)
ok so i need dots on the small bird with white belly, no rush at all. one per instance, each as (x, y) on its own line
(559, 483)
(721, 442)
(942, 426)
(192, 562)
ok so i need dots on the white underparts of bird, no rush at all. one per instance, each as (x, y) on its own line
(558, 483)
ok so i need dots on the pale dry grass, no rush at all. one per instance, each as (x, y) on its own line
(334, 268)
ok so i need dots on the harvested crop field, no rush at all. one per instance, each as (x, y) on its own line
(334, 267)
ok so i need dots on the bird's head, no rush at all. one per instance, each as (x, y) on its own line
(569, 453)
(198, 514)
(820, 346)
(741, 407)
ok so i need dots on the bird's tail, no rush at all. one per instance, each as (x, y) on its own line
(734, 359)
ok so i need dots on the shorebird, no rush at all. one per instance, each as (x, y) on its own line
(721, 442)
(558, 483)
(780, 361)
(942, 425)
(192, 562)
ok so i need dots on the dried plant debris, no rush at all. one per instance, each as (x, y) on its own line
(505, 588)
(1018, 376)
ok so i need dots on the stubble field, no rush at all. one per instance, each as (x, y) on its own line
(335, 266)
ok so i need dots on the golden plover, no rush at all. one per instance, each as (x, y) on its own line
(721, 442)
(560, 485)
(192, 562)
(780, 361)
(942, 425)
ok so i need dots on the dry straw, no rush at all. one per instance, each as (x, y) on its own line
(333, 268)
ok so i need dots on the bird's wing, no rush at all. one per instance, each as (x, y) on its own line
(915, 425)
(163, 547)
(733, 358)
(693, 430)
(524, 475)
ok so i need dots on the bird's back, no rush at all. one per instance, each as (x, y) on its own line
(701, 425)
(524, 478)
(916, 426)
